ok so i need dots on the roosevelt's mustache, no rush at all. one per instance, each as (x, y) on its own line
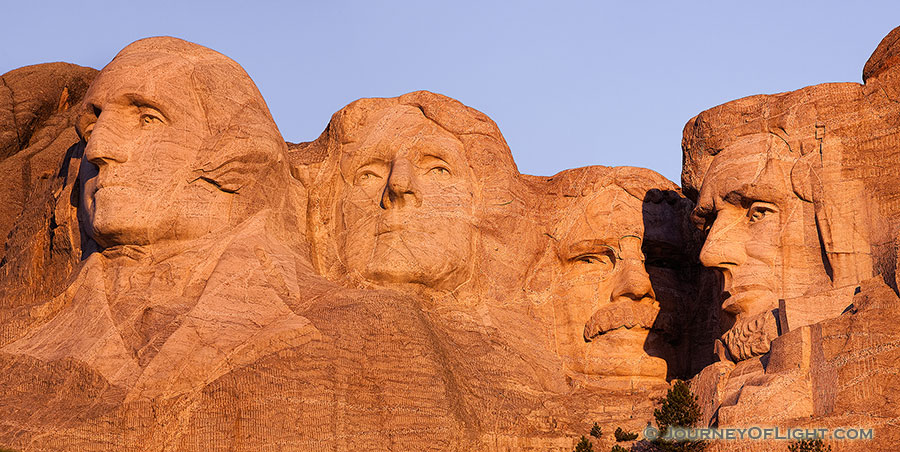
(618, 314)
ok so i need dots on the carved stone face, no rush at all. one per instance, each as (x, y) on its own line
(761, 236)
(143, 138)
(406, 214)
(605, 305)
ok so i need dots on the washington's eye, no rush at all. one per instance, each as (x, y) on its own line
(760, 210)
(149, 119)
(439, 171)
(84, 125)
(86, 131)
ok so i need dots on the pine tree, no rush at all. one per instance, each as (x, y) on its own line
(623, 435)
(584, 445)
(679, 409)
(596, 431)
(809, 445)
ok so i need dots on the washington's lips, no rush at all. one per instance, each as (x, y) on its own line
(621, 314)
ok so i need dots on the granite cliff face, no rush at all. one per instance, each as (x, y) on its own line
(177, 277)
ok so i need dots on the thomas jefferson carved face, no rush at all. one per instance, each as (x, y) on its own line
(143, 135)
(761, 237)
(606, 309)
(406, 214)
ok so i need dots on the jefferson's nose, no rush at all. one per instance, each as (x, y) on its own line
(401, 187)
(106, 143)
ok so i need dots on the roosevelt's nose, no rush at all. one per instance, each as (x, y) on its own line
(401, 188)
(106, 143)
(724, 245)
(632, 282)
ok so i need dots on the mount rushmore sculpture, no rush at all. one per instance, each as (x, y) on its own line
(178, 277)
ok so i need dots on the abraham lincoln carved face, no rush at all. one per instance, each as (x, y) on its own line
(406, 213)
(761, 237)
(612, 253)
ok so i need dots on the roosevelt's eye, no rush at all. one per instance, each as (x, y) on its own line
(601, 262)
(760, 210)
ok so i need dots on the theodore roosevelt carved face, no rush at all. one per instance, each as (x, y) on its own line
(612, 252)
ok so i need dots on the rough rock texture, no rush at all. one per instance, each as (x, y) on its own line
(392, 285)
(39, 156)
(799, 195)
(177, 277)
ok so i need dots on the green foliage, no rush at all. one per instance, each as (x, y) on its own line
(618, 448)
(584, 445)
(809, 445)
(622, 435)
(678, 409)
(596, 431)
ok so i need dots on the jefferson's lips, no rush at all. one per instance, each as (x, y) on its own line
(621, 314)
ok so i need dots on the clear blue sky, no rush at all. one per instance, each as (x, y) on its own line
(569, 83)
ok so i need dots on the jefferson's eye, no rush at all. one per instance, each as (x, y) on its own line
(760, 210)
(366, 176)
(439, 171)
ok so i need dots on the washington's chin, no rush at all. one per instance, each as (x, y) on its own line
(111, 230)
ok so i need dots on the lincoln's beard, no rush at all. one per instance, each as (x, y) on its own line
(751, 336)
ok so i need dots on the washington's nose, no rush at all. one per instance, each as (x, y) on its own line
(401, 188)
(633, 282)
(105, 144)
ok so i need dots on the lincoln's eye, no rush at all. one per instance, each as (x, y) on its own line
(759, 210)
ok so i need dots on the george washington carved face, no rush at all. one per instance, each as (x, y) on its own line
(407, 209)
(179, 143)
(141, 146)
